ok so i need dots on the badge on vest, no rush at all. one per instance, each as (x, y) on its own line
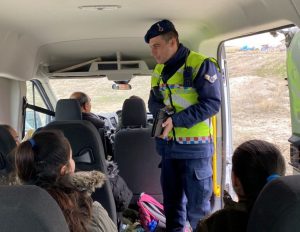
(211, 79)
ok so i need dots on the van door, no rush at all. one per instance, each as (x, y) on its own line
(226, 125)
(293, 71)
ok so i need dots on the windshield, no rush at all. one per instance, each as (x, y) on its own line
(103, 97)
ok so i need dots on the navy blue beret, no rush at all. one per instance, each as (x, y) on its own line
(159, 28)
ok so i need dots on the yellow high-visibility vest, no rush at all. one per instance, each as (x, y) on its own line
(182, 97)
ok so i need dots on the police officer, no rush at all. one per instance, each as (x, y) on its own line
(188, 83)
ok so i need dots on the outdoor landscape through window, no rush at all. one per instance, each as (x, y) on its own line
(259, 91)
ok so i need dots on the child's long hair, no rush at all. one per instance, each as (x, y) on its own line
(39, 162)
(253, 162)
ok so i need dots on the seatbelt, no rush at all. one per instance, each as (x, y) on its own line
(35, 108)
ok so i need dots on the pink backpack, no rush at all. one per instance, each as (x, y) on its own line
(151, 213)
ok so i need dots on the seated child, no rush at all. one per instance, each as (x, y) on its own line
(46, 160)
(254, 163)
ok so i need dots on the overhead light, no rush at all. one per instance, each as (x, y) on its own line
(99, 7)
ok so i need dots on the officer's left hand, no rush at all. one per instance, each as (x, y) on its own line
(167, 125)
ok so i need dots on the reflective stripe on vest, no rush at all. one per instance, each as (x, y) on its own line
(194, 140)
(182, 98)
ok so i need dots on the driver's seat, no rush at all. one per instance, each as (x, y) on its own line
(67, 109)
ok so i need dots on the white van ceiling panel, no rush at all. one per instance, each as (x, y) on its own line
(17, 55)
(68, 35)
(93, 48)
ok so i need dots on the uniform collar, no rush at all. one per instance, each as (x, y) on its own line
(181, 53)
(174, 63)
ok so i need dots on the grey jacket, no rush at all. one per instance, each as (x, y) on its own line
(88, 181)
(101, 222)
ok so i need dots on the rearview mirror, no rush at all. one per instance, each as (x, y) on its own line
(121, 86)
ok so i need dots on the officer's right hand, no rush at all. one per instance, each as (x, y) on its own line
(168, 126)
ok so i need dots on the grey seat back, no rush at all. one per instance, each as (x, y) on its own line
(277, 208)
(135, 151)
(29, 208)
(88, 154)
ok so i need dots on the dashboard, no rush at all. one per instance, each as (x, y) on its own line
(111, 119)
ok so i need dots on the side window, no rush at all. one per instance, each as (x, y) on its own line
(35, 96)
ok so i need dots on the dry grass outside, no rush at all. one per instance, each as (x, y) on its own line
(260, 110)
(256, 63)
(259, 98)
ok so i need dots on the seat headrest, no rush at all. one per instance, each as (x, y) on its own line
(67, 109)
(7, 144)
(134, 113)
(277, 207)
(84, 140)
(29, 208)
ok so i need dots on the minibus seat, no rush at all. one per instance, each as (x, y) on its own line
(277, 208)
(135, 152)
(134, 113)
(88, 154)
(7, 144)
(29, 208)
(67, 109)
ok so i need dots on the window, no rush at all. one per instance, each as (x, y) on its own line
(35, 96)
(104, 98)
(259, 90)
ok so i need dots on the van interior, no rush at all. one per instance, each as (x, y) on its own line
(49, 49)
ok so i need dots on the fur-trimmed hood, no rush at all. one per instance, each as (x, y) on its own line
(84, 181)
(87, 181)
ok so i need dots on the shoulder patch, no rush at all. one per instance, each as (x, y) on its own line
(211, 79)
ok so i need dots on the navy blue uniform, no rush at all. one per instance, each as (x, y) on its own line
(186, 168)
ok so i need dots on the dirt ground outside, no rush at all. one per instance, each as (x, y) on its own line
(260, 103)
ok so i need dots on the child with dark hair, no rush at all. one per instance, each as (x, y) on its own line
(9, 139)
(46, 160)
(12, 132)
(254, 163)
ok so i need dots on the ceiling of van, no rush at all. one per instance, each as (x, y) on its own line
(67, 32)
